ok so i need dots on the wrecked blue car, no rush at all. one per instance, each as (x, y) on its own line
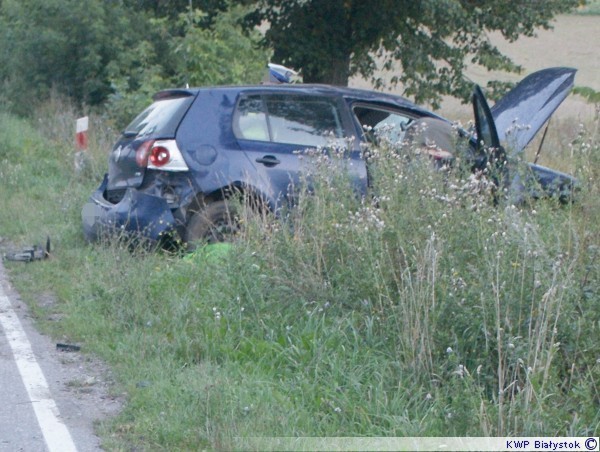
(174, 168)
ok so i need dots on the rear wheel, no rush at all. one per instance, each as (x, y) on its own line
(217, 222)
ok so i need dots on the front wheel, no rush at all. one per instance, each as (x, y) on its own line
(217, 222)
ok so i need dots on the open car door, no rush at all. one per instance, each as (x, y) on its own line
(487, 136)
(490, 152)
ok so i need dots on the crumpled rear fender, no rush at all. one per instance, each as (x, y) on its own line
(139, 213)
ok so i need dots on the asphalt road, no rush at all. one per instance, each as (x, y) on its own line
(49, 399)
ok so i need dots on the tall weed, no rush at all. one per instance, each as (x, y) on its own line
(429, 307)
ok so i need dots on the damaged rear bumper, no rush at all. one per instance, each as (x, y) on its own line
(138, 214)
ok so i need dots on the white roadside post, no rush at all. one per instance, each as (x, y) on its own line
(81, 143)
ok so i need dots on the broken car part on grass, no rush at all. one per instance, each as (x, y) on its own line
(29, 254)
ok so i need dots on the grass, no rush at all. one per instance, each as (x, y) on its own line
(430, 312)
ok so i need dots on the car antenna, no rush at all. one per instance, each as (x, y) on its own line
(537, 154)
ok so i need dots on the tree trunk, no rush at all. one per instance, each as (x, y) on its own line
(335, 72)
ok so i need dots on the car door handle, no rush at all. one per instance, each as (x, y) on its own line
(268, 160)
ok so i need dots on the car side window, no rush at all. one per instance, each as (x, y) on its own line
(309, 121)
(381, 124)
(251, 120)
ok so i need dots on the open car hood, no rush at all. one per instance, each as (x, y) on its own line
(513, 122)
(520, 114)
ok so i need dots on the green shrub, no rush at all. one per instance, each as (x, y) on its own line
(185, 53)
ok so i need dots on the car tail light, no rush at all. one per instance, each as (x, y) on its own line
(159, 156)
(142, 153)
(165, 155)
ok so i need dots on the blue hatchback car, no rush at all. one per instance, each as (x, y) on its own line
(175, 166)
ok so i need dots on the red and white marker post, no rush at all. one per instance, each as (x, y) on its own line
(81, 143)
(81, 134)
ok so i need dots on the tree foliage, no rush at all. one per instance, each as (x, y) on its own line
(172, 8)
(186, 52)
(124, 50)
(120, 51)
(426, 44)
(220, 54)
(59, 44)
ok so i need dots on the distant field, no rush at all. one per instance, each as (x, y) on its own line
(572, 42)
(592, 7)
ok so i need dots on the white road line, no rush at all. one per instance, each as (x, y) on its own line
(55, 433)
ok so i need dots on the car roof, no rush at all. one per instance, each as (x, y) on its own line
(353, 94)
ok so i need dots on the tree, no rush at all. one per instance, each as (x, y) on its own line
(66, 45)
(220, 54)
(432, 40)
(99, 50)
(185, 51)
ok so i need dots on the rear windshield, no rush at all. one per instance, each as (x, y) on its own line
(160, 119)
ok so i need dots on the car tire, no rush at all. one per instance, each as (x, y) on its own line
(217, 222)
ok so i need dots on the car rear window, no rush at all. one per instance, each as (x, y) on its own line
(161, 118)
(292, 119)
